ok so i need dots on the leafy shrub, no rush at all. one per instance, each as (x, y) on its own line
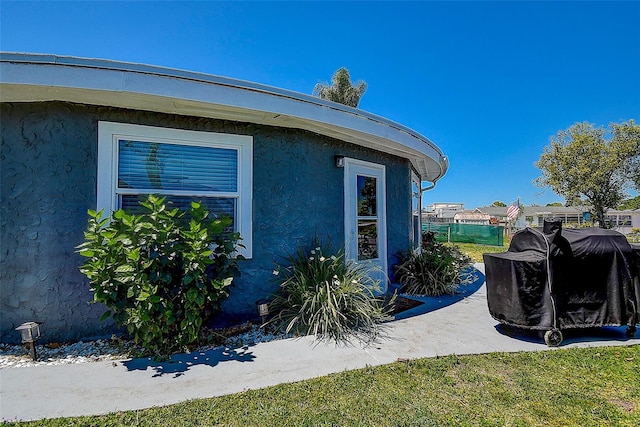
(583, 224)
(328, 297)
(157, 273)
(634, 236)
(434, 271)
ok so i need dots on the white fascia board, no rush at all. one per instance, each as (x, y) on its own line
(28, 78)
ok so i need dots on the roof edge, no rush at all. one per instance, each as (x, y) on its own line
(312, 101)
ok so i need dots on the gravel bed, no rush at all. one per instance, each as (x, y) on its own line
(17, 356)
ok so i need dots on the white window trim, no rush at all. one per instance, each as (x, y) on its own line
(109, 133)
(415, 179)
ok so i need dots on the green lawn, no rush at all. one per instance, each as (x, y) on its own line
(572, 387)
(475, 251)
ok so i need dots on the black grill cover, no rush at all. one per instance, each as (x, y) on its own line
(591, 279)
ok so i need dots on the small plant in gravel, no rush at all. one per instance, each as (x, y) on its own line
(160, 273)
(433, 271)
(326, 296)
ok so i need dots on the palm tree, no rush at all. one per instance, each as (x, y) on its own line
(341, 89)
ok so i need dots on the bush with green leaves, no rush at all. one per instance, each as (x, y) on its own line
(160, 273)
(634, 236)
(329, 297)
(583, 224)
(433, 271)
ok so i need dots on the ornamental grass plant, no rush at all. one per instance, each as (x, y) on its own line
(329, 297)
(433, 271)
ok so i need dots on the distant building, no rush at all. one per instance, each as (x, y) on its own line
(475, 216)
(621, 221)
(441, 212)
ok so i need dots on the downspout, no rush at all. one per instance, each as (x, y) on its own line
(443, 161)
(423, 189)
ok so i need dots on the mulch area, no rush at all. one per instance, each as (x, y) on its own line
(402, 304)
(219, 335)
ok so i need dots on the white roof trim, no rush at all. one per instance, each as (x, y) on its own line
(30, 78)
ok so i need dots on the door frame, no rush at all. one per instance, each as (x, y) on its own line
(353, 168)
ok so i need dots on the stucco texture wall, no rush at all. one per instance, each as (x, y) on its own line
(48, 181)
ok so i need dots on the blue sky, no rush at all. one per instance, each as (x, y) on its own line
(488, 82)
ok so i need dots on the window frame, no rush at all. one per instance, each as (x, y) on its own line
(618, 220)
(417, 245)
(110, 133)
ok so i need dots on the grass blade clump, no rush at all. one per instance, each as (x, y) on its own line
(329, 297)
(433, 271)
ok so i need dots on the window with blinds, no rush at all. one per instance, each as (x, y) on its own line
(181, 173)
(183, 166)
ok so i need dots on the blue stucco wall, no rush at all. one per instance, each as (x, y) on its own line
(48, 181)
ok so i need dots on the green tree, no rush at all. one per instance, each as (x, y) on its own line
(554, 204)
(498, 204)
(592, 165)
(341, 89)
(630, 204)
(627, 137)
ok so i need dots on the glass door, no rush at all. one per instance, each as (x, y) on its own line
(365, 217)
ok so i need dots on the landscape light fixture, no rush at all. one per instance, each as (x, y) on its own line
(263, 309)
(30, 332)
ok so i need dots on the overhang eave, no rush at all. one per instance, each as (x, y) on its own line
(191, 94)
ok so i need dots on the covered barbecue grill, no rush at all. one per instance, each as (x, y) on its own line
(552, 279)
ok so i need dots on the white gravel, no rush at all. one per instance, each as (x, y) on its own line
(17, 356)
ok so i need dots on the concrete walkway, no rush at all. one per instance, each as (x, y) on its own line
(463, 327)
